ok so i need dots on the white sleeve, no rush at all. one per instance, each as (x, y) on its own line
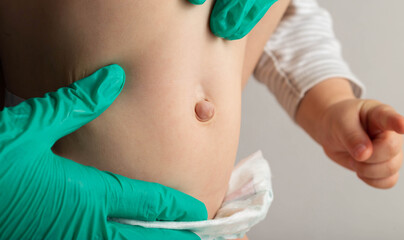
(302, 52)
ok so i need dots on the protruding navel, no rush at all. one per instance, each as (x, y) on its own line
(204, 110)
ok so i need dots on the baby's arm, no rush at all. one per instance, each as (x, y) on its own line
(316, 87)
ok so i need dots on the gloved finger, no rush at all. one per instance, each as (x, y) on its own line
(383, 183)
(123, 231)
(386, 145)
(134, 199)
(356, 141)
(384, 118)
(197, 2)
(64, 111)
(235, 19)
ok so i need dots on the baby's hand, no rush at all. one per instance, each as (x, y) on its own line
(364, 136)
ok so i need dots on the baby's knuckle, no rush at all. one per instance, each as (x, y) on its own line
(370, 103)
(381, 184)
(378, 110)
(390, 183)
(394, 165)
(392, 146)
(384, 109)
(391, 168)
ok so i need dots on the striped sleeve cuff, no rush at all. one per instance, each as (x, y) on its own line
(290, 91)
(302, 52)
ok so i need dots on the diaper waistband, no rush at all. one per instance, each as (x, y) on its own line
(247, 201)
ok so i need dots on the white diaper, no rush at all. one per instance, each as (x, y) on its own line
(246, 203)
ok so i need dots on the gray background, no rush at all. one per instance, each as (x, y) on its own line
(314, 197)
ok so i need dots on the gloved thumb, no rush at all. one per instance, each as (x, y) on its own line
(356, 140)
(146, 201)
(62, 112)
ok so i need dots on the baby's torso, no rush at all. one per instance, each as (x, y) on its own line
(172, 62)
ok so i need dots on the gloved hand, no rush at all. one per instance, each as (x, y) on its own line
(233, 19)
(46, 196)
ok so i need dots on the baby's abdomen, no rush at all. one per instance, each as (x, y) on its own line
(172, 61)
(152, 133)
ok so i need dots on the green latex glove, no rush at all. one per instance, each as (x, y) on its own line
(233, 19)
(44, 196)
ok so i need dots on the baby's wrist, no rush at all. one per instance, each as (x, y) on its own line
(316, 102)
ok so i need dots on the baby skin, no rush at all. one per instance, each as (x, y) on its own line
(177, 120)
(362, 135)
